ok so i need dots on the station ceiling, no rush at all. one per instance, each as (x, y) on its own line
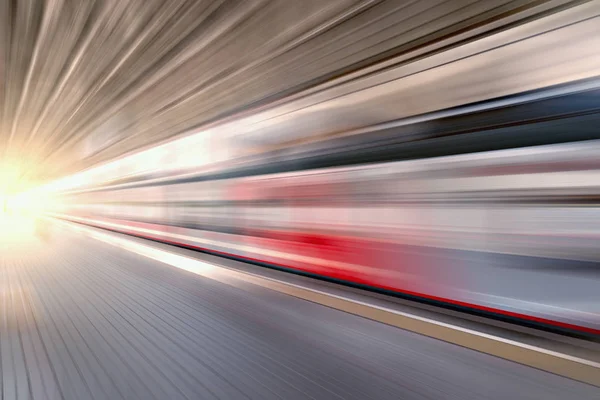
(83, 82)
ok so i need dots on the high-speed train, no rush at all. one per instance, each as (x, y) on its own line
(512, 232)
(466, 195)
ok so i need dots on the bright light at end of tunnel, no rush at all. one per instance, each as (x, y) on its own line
(15, 226)
(19, 210)
(25, 204)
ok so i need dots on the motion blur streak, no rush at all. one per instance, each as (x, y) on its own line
(511, 227)
(438, 155)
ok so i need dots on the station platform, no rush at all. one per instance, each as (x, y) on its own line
(84, 318)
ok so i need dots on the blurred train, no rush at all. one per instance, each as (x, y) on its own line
(469, 178)
(511, 232)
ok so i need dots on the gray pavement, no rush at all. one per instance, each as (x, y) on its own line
(82, 319)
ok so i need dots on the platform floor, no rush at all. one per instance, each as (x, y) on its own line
(81, 319)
